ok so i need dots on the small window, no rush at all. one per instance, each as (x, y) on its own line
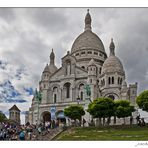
(112, 80)
(118, 80)
(83, 67)
(100, 70)
(95, 53)
(109, 80)
(100, 55)
(89, 52)
(44, 85)
(121, 81)
(90, 80)
(133, 92)
(83, 52)
(77, 54)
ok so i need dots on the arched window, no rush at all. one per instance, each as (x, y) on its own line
(81, 91)
(95, 53)
(103, 82)
(83, 67)
(89, 52)
(55, 98)
(67, 89)
(100, 70)
(121, 81)
(77, 54)
(90, 80)
(109, 80)
(118, 80)
(55, 91)
(112, 80)
(81, 95)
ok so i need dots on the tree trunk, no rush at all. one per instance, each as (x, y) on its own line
(114, 119)
(80, 121)
(75, 122)
(124, 120)
(108, 120)
(100, 122)
(103, 121)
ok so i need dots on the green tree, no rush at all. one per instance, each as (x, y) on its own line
(142, 100)
(74, 112)
(2, 116)
(102, 108)
(123, 109)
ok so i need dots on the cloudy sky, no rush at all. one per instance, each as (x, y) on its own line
(27, 36)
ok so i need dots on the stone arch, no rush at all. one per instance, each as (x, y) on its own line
(60, 116)
(55, 93)
(67, 89)
(112, 95)
(81, 91)
(79, 83)
(45, 116)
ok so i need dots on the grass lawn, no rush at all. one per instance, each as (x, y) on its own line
(105, 133)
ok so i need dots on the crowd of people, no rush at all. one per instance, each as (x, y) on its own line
(25, 132)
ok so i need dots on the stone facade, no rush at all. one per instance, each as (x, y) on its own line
(14, 114)
(87, 63)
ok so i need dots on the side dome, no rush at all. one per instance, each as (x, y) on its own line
(87, 40)
(52, 68)
(112, 64)
(46, 69)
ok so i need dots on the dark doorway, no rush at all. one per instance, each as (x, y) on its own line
(60, 117)
(111, 96)
(46, 116)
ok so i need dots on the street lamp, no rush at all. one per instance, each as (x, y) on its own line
(78, 100)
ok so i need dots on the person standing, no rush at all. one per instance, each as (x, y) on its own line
(22, 135)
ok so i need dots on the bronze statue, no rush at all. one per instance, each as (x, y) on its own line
(88, 90)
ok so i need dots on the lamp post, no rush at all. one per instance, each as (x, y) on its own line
(78, 100)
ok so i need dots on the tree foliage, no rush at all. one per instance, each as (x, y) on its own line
(142, 100)
(123, 109)
(102, 108)
(2, 116)
(74, 112)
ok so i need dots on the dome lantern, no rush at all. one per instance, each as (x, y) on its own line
(87, 21)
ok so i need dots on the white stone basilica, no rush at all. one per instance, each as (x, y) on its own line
(86, 64)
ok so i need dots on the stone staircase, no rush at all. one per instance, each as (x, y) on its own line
(48, 136)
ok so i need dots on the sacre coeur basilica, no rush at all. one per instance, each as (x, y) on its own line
(87, 64)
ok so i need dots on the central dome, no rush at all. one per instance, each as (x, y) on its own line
(87, 40)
